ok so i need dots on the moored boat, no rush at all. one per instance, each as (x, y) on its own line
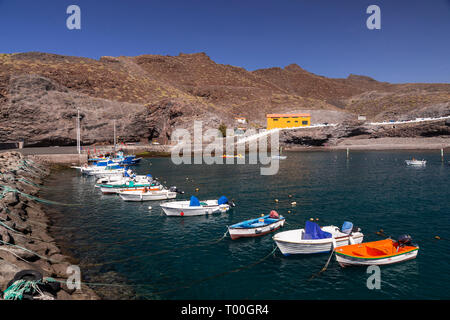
(194, 207)
(380, 252)
(414, 162)
(146, 195)
(279, 157)
(314, 239)
(256, 227)
(105, 189)
(240, 156)
(137, 182)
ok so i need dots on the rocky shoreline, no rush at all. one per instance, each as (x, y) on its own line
(24, 224)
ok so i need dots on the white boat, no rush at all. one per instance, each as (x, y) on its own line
(279, 157)
(380, 252)
(415, 162)
(110, 179)
(194, 207)
(130, 187)
(102, 171)
(135, 182)
(316, 239)
(256, 227)
(142, 195)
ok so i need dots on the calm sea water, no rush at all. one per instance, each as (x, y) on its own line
(176, 258)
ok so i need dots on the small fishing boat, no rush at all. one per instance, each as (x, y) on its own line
(102, 168)
(414, 162)
(120, 159)
(240, 156)
(256, 227)
(380, 252)
(314, 239)
(107, 189)
(147, 195)
(137, 182)
(194, 207)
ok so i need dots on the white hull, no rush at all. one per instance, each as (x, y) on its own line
(100, 173)
(279, 157)
(290, 242)
(182, 208)
(236, 233)
(148, 196)
(416, 162)
(105, 173)
(345, 261)
(106, 190)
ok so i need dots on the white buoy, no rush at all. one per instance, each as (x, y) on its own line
(150, 207)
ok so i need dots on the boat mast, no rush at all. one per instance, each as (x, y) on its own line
(78, 132)
(114, 137)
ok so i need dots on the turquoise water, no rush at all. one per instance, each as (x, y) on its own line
(374, 190)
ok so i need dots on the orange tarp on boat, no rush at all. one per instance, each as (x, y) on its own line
(373, 249)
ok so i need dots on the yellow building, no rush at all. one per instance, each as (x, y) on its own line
(288, 120)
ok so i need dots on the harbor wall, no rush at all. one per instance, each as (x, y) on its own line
(24, 227)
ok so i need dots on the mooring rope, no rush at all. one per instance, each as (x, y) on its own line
(25, 249)
(31, 167)
(215, 275)
(31, 183)
(20, 234)
(185, 286)
(157, 252)
(7, 189)
(324, 267)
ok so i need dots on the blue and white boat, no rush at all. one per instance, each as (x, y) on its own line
(256, 227)
(120, 159)
(316, 239)
(195, 207)
(102, 168)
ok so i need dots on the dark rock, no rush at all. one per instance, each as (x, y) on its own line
(11, 199)
(60, 269)
(63, 295)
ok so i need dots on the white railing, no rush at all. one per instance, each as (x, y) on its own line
(267, 132)
(408, 121)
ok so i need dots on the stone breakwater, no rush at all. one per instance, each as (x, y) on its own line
(24, 224)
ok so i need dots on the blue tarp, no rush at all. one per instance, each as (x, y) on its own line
(194, 202)
(222, 200)
(313, 231)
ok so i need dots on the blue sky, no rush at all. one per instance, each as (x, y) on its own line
(328, 38)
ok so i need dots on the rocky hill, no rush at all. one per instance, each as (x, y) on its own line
(150, 95)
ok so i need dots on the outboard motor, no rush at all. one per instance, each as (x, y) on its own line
(224, 200)
(404, 240)
(175, 189)
(347, 227)
(231, 203)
